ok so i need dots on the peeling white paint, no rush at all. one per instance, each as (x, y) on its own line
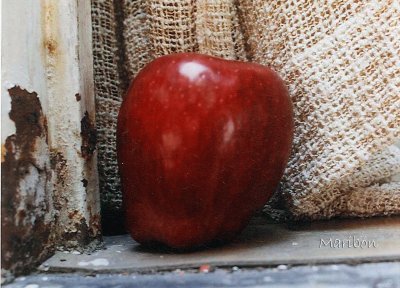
(69, 71)
(46, 49)
(22, 63)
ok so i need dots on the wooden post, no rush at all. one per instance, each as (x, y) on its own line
(49, 164)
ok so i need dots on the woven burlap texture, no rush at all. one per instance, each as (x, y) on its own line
(340, 60)
(108, 101)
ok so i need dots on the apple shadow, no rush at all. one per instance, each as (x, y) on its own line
(340, 223)
(259, 232)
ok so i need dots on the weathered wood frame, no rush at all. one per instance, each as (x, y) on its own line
(50, 192)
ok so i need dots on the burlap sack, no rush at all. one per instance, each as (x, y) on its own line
(341, 62)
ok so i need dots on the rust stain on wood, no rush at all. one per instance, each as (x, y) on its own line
(3, 152)
(51, 46)
(49, 24)
(77, 232)
(26, 236)
(94, 225)
(59, 167)
(89, 137)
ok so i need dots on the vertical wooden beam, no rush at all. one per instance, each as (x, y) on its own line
(49, 166)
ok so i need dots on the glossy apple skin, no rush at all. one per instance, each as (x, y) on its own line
(202, 143)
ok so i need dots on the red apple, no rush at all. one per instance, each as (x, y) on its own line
(202, 144)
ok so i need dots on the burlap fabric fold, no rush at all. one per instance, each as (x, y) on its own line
(340, 60)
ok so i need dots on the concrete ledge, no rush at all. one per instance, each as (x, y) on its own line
(261, 244)
(335, 276)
